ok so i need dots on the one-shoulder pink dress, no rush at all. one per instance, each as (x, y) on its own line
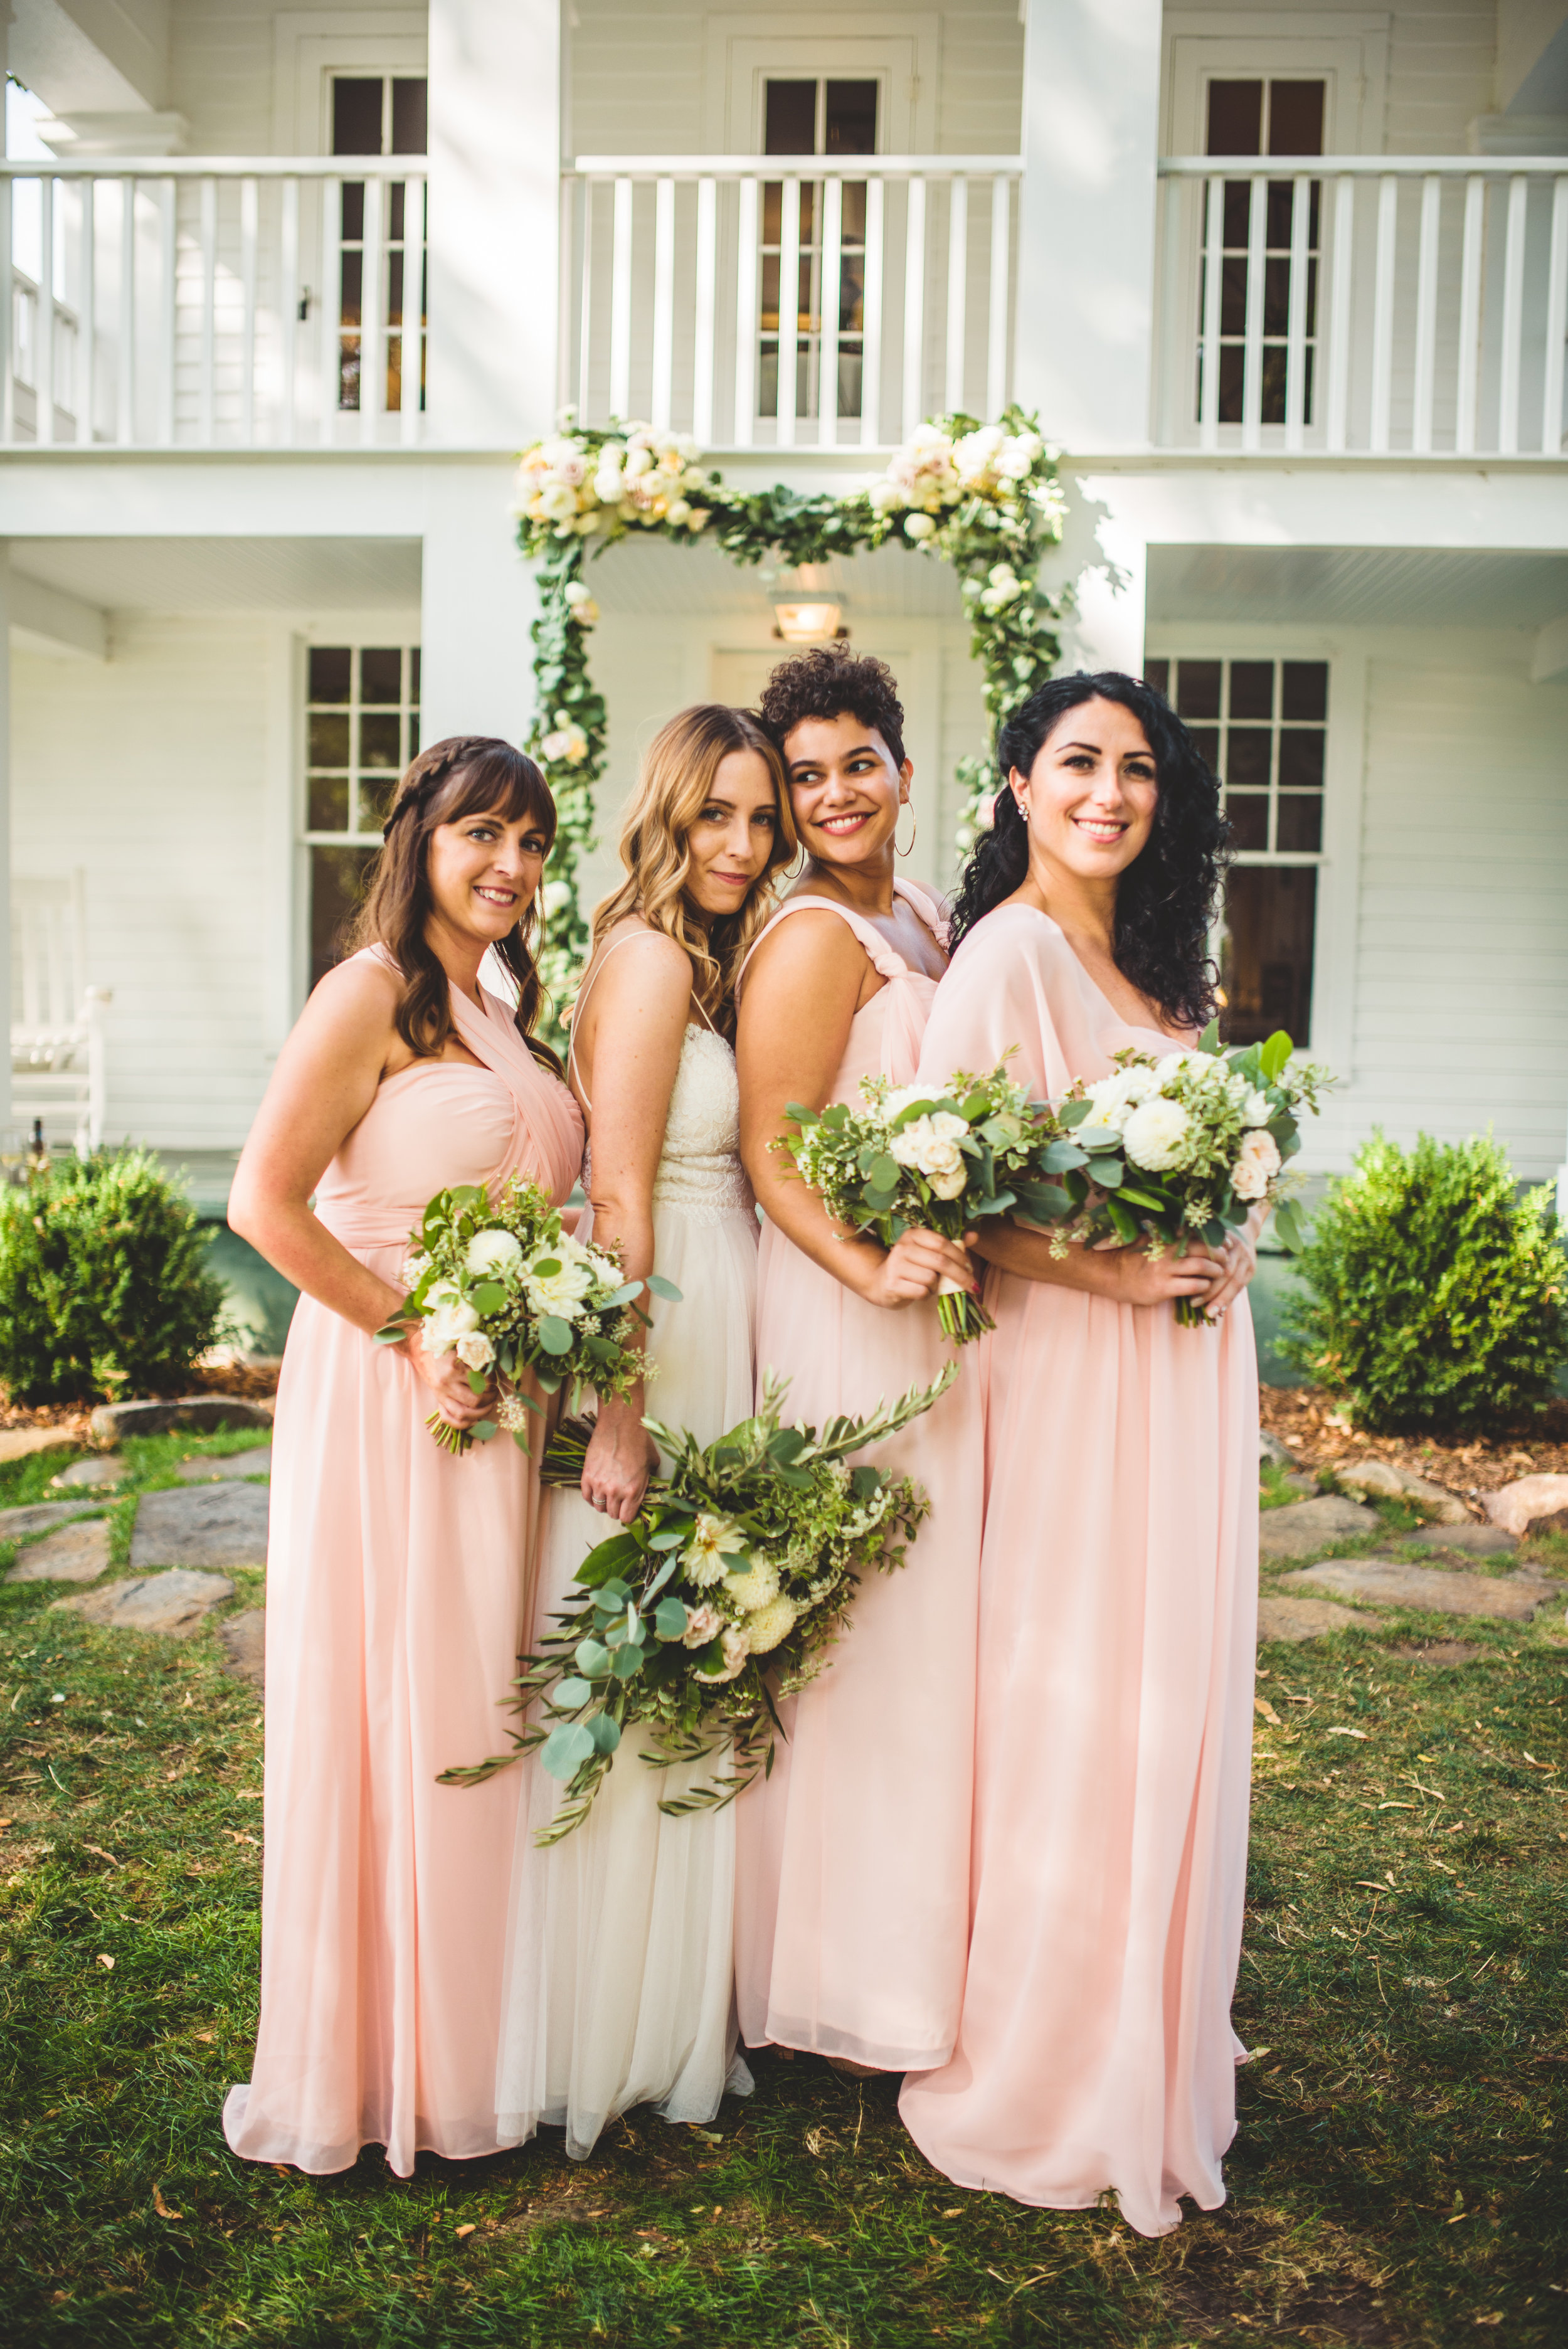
(1118, 1622)
(852, 1859)
(396, 1604)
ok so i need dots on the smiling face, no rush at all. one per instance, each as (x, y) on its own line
(1090, 796)
(844, 789)
(731, 840)
(483, 871)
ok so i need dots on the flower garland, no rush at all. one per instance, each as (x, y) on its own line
(985, 497)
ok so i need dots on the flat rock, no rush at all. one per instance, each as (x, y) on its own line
(78, 1553)
(1386, 1582)
(1270, 1448)
(176, 1604)
(1296, 1480)
(1470, 1541)
(205, 1412)
(1530, 1504)
(39, 1517)
(1296, 1530)
(232, 1466)
(1393, 1484)
(21, 1443)
(244, 1639)
(97, 1468)
(209, 1525)
(1304, 1618)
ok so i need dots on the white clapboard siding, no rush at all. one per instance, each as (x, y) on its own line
(147, 771)
(1441, 62)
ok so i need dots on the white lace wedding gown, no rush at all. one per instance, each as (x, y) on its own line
(619, 1987)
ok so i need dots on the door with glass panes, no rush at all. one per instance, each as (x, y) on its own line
(815, 116)
(380, 114)
(361, 729)
(1263, 252)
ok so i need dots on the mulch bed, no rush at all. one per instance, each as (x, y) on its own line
(1313, 1425)
(247, 1382)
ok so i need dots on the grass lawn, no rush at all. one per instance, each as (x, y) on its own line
(1401, 2174)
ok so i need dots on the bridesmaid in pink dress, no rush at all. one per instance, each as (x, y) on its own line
(849, 1917)
(1119, 1575)
(396, 1591)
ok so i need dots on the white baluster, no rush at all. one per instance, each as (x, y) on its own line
(1296, 323)
(664, 304)
(1469, 316)
(1339, 327)
(832, 202)
(1213, 285)
(44, 361)
(7, 313)
(1556, 322)
(621, 304)
(206, 400)
(87, 345)
(1253, 330)
(1512, 315)
(914, 308)
(872, 316)
(703, 386)
(1383, 312)
(1427, 315)
(789, 310)
(957, 290)
(586, 315)
(125, 406)
(250, 215)
(373, 315)
(288, 310)
(411, 354)
(330, 387)
(745, 315)
(996, 322)
(167, 214)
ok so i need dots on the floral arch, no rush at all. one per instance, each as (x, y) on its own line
(985, 497)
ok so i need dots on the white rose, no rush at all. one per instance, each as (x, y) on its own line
(1257, 1162)
(476, 1351)
(493, 1251)
(562, 1292)
(452, 1317)
(557, 502)
(894, 1102)
(771, 1624)
(920, 526)
(1157, 1135)
(948, 1183)
(1255, 1109)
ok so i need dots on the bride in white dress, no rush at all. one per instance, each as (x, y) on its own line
(620, 1961)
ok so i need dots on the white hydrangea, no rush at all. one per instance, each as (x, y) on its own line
(493, 1251)
(1159, 1136)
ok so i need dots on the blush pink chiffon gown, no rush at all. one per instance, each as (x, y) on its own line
(1118, 1625)
(852, 1859)
(396, 1603)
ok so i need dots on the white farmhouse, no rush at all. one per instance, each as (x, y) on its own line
(1287, 284)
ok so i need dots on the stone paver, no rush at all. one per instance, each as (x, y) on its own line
(206, 1414)
(1386, 1582)
(235, 1466)
(1301, 1526)
(40, 1515)
(1472, 1541)
(1304, 1618)
(1271, 1448)
(176, 1604)
(1393, 1484)
(243, 1639)
(100, 1468)
(20, 1443)
(78, 1553)
(1530, 1503)
(208, 1524)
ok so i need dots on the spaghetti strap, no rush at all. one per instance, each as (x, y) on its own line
(624, 938)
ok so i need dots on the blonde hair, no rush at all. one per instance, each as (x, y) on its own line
(677, 781)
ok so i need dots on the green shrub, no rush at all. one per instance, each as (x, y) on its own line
(1436, 1293)
(104, 1286)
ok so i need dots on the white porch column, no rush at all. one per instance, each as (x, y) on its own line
(478, 605)
(5, 819)
(1086, 229)
(494, 240)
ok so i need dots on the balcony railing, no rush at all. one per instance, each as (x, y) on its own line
(678, 271)
(1390, 305)
(184, 302)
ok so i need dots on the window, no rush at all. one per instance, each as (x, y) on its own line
(1272, 116)
(1263, 726)
(362, 728)
(380, 114)
(816, 117)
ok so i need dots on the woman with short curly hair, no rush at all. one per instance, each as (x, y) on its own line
(1118, 1578)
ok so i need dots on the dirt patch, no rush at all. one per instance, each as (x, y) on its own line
(1312, 1427)
(1439, 1651)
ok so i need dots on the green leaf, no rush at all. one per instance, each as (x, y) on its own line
(571, 1692)
(864, 1482)
(605, 1732)
(884, 1175)
(627, 1660)
(671, 1620)
(620, 1296)
(392, 1334)
(1209, 1041)
(593, 1659)
(785, 1445)
(488, 1297)
(613, 1594)
(554, 1335)
(601, 1564)
(664, 1288)
(483, 1430)
(1059, 1157)
(566, 1749)
(1274, 1054)
(1126, 1225)
(669, 1538)
(1157, 1206)
(1287, 1227)
(1108, 1173)
(478, 1381)
(1043, 1203)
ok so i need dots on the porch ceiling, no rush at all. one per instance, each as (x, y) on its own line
(643, 579)
(227, 574)
(1367, 586)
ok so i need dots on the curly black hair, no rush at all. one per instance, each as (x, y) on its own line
(1167, 898)
(826, 682)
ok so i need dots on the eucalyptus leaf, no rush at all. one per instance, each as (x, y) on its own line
(671, 1620)
(483, 1430)
(554, 1335)
(627, 1660)
(605, 1732)
(665, 1288)
(571, 1692)
(566, 1749)
(593, 1659)
(488, 1297)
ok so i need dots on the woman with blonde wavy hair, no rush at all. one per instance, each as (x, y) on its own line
(619, 1975)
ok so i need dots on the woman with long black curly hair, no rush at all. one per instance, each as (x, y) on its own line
(1118, 1569)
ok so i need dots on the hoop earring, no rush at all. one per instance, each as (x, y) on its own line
(914, 837)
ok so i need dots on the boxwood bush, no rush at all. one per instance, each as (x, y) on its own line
(104, 1286)
(1436, 1292)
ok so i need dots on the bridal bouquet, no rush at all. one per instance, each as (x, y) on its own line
(506, 1289)
(1184, 1147)
(742, 1561)
(936, 1157)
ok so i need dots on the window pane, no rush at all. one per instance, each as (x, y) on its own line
(1236, 118)
(329, 667)
(414, 676)
(1300, 821)
(356, 116)
(327, 803)
(378, 741)
(1249, 814)
(1157, 673)
(1206, 743)
(1305, 690)
(328, 741)
(1248, 757)
(1296, 118)
(409, 118)
(381, 674)
(375, 800)
(1198, 689)
(852, 123)
(1251, 689)
(336, 886)
(1266, 965)
(1301, 761)
(790, 119)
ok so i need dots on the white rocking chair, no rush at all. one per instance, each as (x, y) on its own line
(56, 1027)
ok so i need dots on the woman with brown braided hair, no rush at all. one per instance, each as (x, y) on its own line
(395, 1599)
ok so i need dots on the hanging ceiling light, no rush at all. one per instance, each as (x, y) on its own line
(807, 624)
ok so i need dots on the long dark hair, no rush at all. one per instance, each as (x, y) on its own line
(466, 774)
(1166, 899)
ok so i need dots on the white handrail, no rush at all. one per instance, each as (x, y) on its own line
(1366, 167)
(786, 167)
(222, 167)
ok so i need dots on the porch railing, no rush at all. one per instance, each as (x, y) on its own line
(1387, 304)
(677, 277)
(182, 302)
